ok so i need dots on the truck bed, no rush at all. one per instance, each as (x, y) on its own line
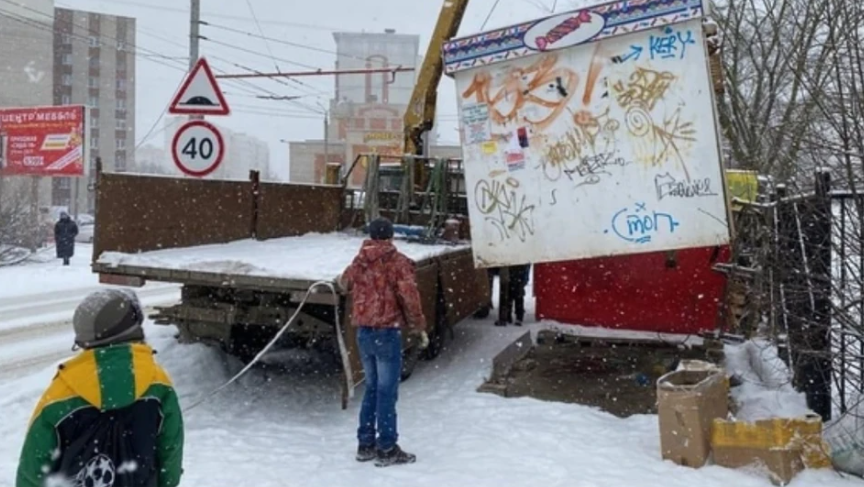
(290, 262)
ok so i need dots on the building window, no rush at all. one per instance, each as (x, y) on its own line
(121, 45)
(94, 41)
(121, 144)
(93, 101)
(120, 161)
(93, 82)
(65, 100)
(121, 124)
(66, 39)
(121, 104)
(94, 61)
(67, 80)
(64, 183)
(67, 60)
(94, 142)
(94, 122)
(121, 63)
(121, 84)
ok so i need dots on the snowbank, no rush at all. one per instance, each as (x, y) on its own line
(310, 257)
(766, 390)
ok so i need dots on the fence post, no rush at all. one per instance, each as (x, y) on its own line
(255, 179)
(816, 367)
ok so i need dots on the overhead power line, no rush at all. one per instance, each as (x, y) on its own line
(165, 8)
(287, 43)
(261, 31)
(244, 85)
(491, 11)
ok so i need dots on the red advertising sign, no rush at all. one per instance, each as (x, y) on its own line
(43, 141)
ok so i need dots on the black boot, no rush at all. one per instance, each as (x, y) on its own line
(366, 453)
(394, 456)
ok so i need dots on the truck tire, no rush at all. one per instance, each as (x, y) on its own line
(248, 340)
(437, 334)
(410, 357)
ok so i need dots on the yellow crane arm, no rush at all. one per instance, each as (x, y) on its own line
(420, 114)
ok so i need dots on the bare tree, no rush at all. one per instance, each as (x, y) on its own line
(16, 221)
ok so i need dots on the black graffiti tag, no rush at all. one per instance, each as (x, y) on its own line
(502, 205)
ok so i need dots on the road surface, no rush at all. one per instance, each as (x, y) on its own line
(36, 329)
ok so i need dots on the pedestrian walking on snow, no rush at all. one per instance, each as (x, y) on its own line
(65, 231)
(110, 417)
(385, 299)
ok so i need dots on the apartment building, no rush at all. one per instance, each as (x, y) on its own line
(94, 65)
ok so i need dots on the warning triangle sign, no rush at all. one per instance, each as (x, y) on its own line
(199, 94)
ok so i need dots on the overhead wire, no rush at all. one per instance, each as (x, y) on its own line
(247, 86)
(162, 8)
(137, 49)
(289, 43)
(491, 11)
(243, 85)
(261, 31)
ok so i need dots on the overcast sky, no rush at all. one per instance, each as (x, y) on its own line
(163, 30)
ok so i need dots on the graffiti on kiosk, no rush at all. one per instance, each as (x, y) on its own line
(672, 44)
(543, 87)
(645, 88)
(638, 225)
(590, 136)
(668, 185)
(505, 206)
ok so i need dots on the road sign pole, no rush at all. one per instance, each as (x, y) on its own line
(194, 32)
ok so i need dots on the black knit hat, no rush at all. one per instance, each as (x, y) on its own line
(381, 229)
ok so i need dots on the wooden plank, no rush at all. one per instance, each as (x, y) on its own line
(513, 353)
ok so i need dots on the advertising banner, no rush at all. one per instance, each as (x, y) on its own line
(43, 141)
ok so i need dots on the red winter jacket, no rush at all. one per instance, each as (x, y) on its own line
(383, 288)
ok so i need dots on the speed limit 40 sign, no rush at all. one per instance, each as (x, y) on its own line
(198, 148)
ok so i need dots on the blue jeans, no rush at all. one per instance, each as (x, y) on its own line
(381, 354)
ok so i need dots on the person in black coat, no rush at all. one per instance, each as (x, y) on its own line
(65, 231)
(519, 277)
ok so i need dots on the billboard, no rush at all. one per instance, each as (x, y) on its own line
(43, 141)
(590, 133)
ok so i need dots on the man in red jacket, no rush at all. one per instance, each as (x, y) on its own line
(385, 299)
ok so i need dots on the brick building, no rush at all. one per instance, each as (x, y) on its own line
(366, 114)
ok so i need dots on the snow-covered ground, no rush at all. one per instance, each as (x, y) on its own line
(37, 300)
(286, 428)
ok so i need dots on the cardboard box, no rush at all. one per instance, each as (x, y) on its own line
(783, 446)
(688, 403)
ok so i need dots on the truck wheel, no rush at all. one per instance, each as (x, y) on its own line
(410, 357)
(436, 338)
(248, 340)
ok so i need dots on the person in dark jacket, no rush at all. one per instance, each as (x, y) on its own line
(65, 231)
(384, 299)
(519, 277)
(110, 417)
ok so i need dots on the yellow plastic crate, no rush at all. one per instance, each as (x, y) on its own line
(803, 434)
